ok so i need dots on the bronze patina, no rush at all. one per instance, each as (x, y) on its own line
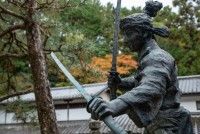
(153, 94)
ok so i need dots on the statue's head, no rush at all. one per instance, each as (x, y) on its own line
(138, 28)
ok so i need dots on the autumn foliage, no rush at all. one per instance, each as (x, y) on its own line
(125, 64)
(99, 67)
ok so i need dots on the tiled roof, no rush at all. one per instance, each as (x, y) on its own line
(77, 127)
(123, 121)
(64, 93)
(74, 127)
(189, 84)
(67, 127)
(70, 127)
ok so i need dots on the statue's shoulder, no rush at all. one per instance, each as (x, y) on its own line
(160, 55)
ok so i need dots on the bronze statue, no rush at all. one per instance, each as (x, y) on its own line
(153, 97)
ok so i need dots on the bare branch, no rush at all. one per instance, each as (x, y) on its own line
(48, 51)
(44, 5)
(21, 45)
(12, 55)
(9, 41)
(59, 8)
(198, 25)
(45, 40)
(58, 49)
(15, 94)
(15, 3)
(12, 28)
(67, 4)
(2, 18)
(6, 11)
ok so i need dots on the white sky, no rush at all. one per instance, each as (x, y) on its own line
(129, 3)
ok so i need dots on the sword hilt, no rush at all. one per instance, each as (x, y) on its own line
(113, 89)
(116, 129)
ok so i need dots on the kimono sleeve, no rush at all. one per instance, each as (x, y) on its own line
(128, 83)
(146, 99)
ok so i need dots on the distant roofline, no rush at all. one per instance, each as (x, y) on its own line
(102, 83)
(191, 94)
(195, 113)
(84, 85)
(188, 76)
(102, 87)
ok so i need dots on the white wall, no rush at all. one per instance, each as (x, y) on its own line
(189, 105)
(10, 118)
(78, 114)
(2, 117)
(61, 114)
(7, 118)
(74, 114)
(189, 102)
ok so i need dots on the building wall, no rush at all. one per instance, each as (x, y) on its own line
(189, 102)
(2, 117)
(7, 118)
(191, 106)
(72, 114)
(61, 114)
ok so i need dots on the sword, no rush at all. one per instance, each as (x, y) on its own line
(113, 70)
(109, 121)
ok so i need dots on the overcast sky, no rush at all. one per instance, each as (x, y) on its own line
(135, 3)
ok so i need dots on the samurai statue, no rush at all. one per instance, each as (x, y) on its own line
(153, 94)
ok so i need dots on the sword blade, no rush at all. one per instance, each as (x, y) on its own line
(116, 36)
(115, 49)
(71, 78)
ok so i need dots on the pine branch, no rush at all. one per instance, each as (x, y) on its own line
(44, 5)
(12, 55)
(6, 11)
(12, 28)
(16, 3)
(15, 94)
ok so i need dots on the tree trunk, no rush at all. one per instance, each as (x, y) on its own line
(44, 102)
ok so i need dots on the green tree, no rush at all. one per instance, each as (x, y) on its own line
(24, 33)
(184, 41)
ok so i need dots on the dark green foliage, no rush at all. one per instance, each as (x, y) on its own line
(91, 25)
(24, 111)
(81, 32)
(184, 41)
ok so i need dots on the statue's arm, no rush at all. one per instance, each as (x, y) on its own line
(146, 99)
(128, 83)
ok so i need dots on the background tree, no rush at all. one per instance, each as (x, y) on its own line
(97, 29)
(22, 24)
(184, 41)
(81, 34)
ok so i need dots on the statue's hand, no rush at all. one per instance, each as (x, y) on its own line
(99, 109)
(113, 80)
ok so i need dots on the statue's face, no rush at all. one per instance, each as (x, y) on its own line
(133, 39)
